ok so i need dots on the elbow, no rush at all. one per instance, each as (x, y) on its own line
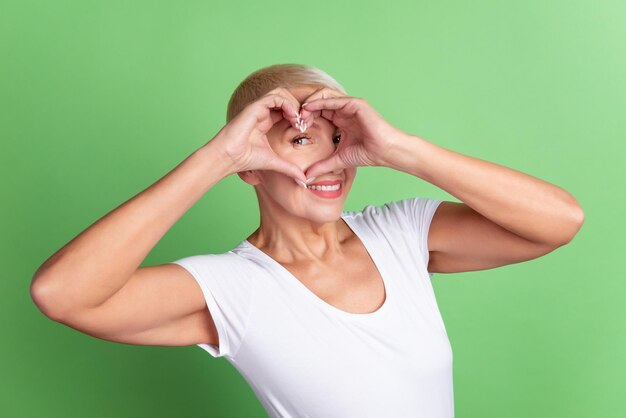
(41, 294)
(573, 224)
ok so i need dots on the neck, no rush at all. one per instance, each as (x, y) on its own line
(291, 239)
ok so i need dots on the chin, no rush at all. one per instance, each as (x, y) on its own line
(323, 217)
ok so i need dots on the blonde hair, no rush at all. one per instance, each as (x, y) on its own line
(278, 75)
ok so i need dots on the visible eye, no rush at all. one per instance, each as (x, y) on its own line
(336, 139)
(299, 138)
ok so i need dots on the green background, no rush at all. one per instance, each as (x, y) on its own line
(101, 99)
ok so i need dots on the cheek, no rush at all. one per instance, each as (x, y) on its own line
(286, 152)
(306, 159)
(350, 173)
(300, 158)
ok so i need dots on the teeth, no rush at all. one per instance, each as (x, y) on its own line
(325, 188)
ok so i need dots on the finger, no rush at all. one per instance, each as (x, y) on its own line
(333, 107)
(333, 103)
(280, 107)
(322, 93)
(332, 163)
(329, 115)
(286, 93)
(308, 121)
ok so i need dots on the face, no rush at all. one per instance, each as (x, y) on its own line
(280, 194)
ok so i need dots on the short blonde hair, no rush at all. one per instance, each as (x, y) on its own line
(278, 75)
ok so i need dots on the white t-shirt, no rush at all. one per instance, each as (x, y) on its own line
(306, 358)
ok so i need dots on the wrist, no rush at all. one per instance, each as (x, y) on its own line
(216, 158)
(407, 153)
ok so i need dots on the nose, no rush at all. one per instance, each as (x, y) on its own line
(321, 153)
(337, 173)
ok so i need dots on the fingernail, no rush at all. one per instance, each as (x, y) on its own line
(304, 104)
(310, 180)
(300, 183)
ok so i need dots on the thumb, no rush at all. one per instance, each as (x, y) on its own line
(285, 167)
(332, 163)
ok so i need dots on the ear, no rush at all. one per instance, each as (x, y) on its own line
(250, 176)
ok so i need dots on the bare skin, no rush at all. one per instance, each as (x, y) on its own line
(94, 283)
(304, 232)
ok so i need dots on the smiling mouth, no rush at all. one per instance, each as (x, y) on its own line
(330, 187)
(327, 189)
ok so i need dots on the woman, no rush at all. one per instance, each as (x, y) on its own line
(326, 313)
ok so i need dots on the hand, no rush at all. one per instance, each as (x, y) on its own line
(243, 140)
(366, 137)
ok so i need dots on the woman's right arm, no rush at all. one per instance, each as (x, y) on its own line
(94, 283)
(75, 285)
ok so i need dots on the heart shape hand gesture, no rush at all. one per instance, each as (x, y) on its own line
(244, 143)
(366, 136)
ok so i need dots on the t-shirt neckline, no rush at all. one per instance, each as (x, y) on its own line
(347, 218)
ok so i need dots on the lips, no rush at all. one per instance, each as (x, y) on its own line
(315, 188)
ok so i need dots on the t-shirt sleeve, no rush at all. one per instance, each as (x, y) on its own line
(228, 294)
(416, 215)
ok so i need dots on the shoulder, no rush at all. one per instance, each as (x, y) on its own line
(223, 269)
(223, 263)
(401, 213)
(402, 223)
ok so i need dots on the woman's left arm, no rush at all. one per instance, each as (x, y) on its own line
(505, 216)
